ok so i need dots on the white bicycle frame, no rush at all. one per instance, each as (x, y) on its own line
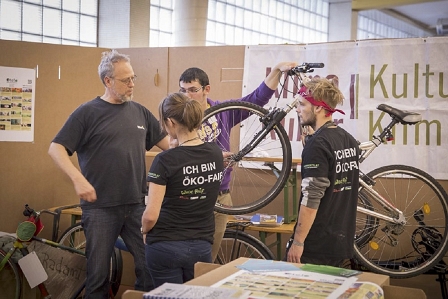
(367, 148)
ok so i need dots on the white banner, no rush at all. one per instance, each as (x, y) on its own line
(407, 74)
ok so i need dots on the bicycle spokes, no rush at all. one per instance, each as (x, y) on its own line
(406, 248)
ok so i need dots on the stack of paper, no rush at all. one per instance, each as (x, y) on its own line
(266, 220)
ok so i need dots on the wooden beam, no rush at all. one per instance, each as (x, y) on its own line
(397, 15)
(358, 5)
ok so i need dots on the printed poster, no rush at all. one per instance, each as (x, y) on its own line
(17, 98)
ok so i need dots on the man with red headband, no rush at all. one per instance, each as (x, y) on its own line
(325, 228)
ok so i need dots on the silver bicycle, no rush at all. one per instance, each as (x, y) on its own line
(402, 211)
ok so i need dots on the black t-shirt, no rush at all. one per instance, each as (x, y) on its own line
(333, 153)
(192, 175)
(111, 141)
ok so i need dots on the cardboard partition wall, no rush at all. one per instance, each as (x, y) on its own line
(66, 77)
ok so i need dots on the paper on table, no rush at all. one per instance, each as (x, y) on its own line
(258, 265)
(182, 291)
(290, 284)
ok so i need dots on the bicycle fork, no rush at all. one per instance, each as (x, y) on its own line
(270, 121)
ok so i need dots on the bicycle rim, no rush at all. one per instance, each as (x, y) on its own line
(74, 237)
(402, 251)
(257, 177)
(10, 279)
(236, 244)
(116, 270)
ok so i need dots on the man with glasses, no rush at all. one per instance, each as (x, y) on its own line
(110, 134)
(194, 82)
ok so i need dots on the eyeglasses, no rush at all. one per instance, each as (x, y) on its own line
(128, 80)
(191, 89)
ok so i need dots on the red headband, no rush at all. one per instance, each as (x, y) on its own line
(304, 93)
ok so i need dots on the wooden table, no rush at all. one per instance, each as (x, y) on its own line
(265, 231)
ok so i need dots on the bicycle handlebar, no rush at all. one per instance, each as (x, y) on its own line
(305, 68)
(317, 65)
(28, 212)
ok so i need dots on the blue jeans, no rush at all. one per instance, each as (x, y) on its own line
(102, 228)
(173, 261)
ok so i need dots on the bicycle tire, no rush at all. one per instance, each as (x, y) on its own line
(254, 183)
(10, 279)
(74, 237)
(237, 243)
(402, 251)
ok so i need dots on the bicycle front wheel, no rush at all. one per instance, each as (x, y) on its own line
(74, 237)
(257, 174)
(410, 248)
(10, 279)
(236, 243)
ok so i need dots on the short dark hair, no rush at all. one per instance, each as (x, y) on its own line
(193, 74)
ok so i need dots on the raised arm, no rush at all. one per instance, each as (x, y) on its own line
(273, 78)
(82, 187)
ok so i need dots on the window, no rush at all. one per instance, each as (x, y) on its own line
(71, 22)
(266, 22)
(249, 22)
(161, 20)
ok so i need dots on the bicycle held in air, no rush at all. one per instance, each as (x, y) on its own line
(63, 261)
(402, 211)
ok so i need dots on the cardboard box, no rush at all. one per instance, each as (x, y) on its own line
(395, 292)
(216, 273)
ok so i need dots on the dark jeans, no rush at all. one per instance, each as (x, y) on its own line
(173, 261)
(102, 228)
(315, 261)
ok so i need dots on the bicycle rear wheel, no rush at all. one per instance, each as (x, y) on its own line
(10, 279)
(412, 248)
(237, 243)
(257, 177)
(74, 237)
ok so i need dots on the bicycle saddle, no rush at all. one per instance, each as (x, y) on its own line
(403, 116)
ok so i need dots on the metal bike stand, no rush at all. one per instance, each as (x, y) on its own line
(440, 269)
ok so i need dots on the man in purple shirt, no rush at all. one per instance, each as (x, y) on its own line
(195, 83)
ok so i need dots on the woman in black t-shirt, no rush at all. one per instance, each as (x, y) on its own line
(178, 223)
